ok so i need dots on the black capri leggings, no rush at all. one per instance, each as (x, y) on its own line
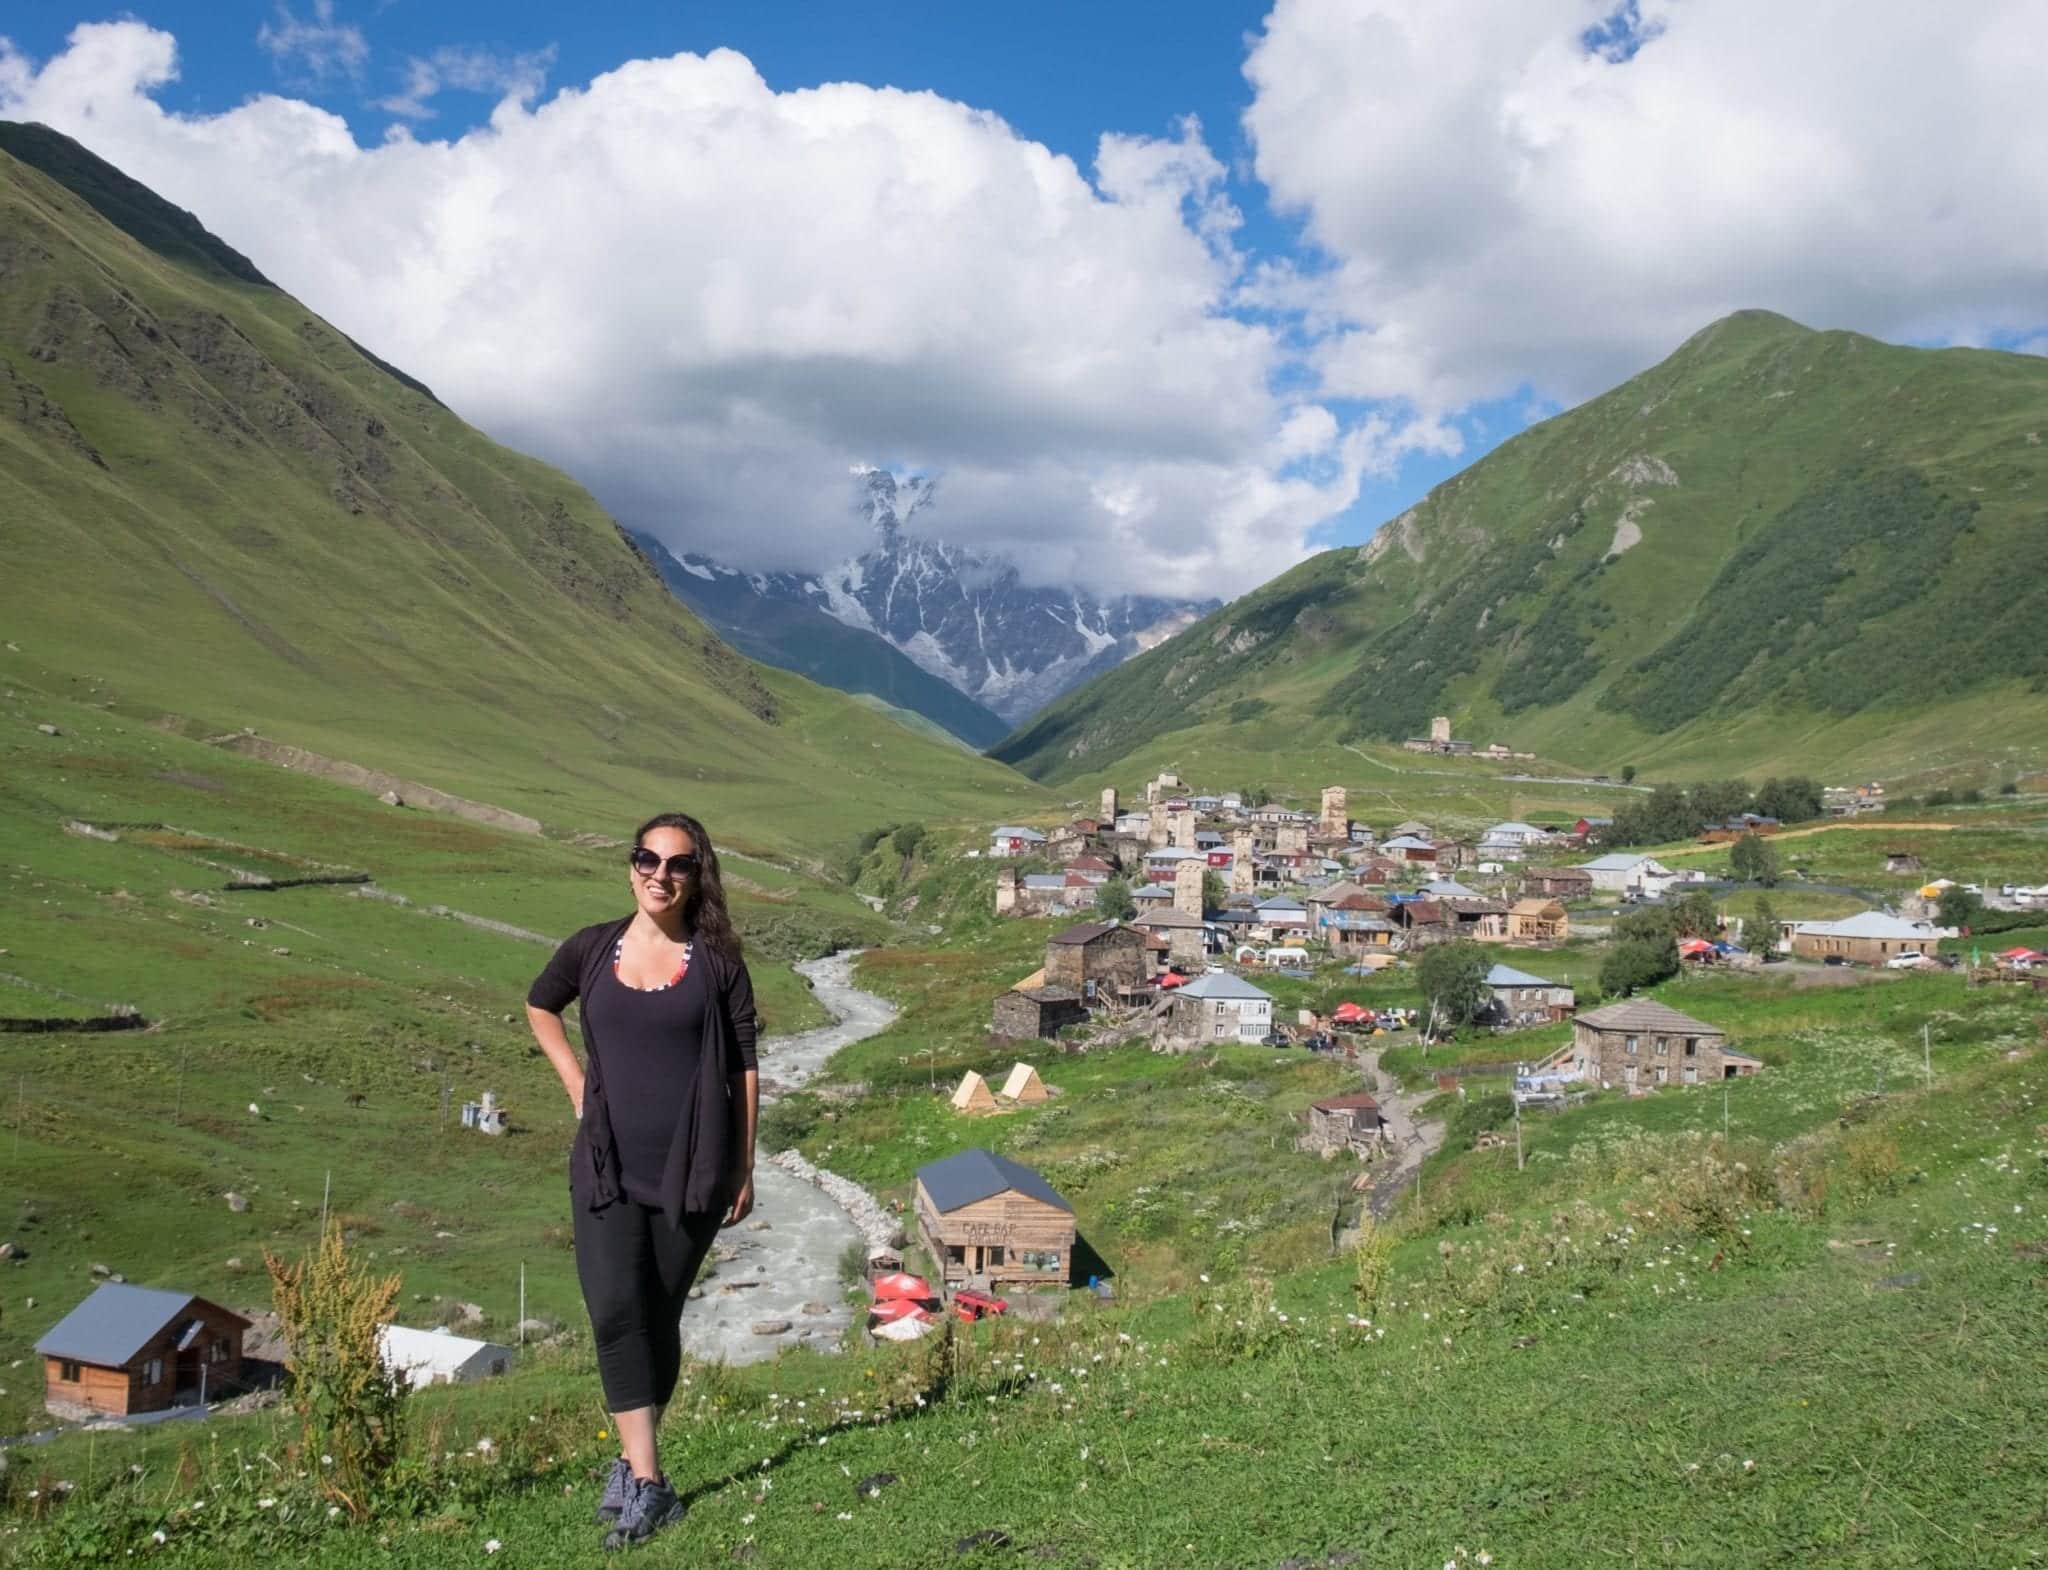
(636, 1271)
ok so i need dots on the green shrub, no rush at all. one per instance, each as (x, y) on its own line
(349, 1404)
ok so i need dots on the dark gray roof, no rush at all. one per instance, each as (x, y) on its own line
(975, 1175)
(115, 1323)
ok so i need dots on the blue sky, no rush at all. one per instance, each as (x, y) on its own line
(1404, 229)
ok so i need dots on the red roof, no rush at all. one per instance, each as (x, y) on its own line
(1358, 1101)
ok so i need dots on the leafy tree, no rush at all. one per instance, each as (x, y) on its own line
(1760, 932)
(1755, 860)
(1941, 797)
(2009, 788)
(1113, 901)
(1628, 774)
(1213, 891)
(1255, 795)
(908, 838)
(1453, 977)
(1959, 907)
(1695, 915)
(1637, 963)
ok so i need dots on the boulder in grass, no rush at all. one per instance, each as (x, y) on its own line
(770, 1327)
(236, 1202)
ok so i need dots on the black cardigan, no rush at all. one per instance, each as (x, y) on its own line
(696, 1177)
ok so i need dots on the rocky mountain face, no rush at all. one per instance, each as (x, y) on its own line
(965, 617)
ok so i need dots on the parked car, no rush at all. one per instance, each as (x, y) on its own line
(1909, 959)
(1273, 1038)
(1836, 959)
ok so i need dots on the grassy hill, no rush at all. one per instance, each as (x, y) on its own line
(222, 514)
(1777, 548)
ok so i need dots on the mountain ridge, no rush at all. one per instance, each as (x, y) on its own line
(292, 536)
(965, 617)
(1727, 550)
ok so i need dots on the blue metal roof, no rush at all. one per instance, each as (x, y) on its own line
(975, 1175)
(115, 1323)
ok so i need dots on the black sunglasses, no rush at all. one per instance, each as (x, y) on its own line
(646, 863)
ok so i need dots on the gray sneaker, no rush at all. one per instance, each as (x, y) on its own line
(650, 1505)
(615, 1486)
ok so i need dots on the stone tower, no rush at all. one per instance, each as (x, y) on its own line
(1006, 891)
(1180, 828)
(1187, 884)
(1291, 839)
(1336, 815)
(1242, 846)
(1158, 832)
(1440, 728)
(1109, 806)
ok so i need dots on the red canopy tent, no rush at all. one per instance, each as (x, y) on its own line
(2019, 953)
(1348, 1013)
(1693, 948)
(901, 1284)
(1172, 979)
(897, 1308)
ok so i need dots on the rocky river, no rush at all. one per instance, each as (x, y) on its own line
(781, 1266)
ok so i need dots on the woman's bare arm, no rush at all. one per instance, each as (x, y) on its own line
(746, 1095)
(553, 1037)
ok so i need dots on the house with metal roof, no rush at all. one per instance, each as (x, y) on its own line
(1520, 1000)
(1869, 937)
(1014, 840)
(129, 1349)
(1218, 1006)
(987, 1220)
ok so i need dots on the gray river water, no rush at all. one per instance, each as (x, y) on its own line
(786, 1256)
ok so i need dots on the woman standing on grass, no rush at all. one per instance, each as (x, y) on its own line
(664, 1154)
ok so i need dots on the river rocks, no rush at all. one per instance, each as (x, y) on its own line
(770, 1327)
(49, 730)
(12, 1250)
(760, 1226)
(98, 1272)
(391, 798)
(814, 1308)
(876, 1225)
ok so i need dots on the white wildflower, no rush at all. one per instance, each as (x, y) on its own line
(157, 1537)
(492, 1545)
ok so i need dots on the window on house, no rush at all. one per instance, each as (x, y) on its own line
(1692, 1073)
(1663, 1046)
(1661, 1072)
(1692, 1046)
(153, 1371)
(67, 1370)
(1222, 1031)
(956, 1253)
(1628, 1072)
(1631, 1046)
(218, 1353)
(993, 1254)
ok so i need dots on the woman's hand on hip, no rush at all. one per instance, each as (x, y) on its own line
(742, 1197)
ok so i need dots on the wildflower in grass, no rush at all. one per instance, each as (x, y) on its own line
(492, 1545)
(486, 1445)
(265, 1503)
(157, 1537)
(333, 1511)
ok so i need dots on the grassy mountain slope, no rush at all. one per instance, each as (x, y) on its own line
(217, 504)
(804, 639)
(1777, 546)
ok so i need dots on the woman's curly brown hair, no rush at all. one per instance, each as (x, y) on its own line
(704, 912)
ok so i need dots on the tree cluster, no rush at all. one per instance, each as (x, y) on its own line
(1453, 978)
(1673, 812)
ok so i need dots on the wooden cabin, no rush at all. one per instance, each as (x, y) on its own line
(983, 1217)
(129, 1349)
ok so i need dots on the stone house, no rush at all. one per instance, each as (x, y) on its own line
(1520, 1000)
(1218, 1006)
(1038, 1011)
(1639, 1045)
(1352, 1122)
(1538, 921)
(1869, 937)
(1628, 872)
(1558, 882)
(1095, 958)
(1187, 937)
(128, 1349)
(983, 1217)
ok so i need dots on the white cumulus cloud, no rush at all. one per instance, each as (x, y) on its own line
(709, 300)
(1555, 193)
